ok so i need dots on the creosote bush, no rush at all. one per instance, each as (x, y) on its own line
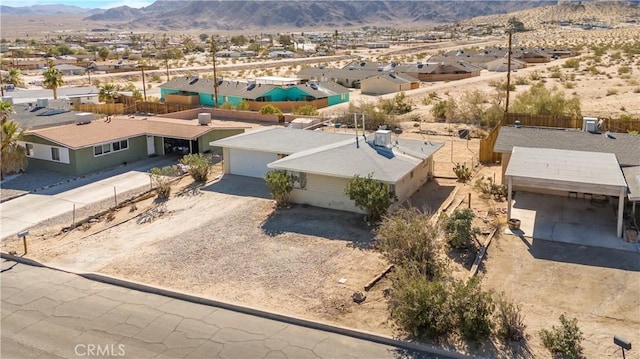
(161, 179)
(370, 195)
(198, 166)
(458, 228)
(563, 341)
(280, 184)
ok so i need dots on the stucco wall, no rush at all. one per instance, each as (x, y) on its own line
(409, 184)
(86, 162)
(326, 192)
(203, 142)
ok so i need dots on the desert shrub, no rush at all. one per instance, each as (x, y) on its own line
(198, 166)
(470, 106)
(570, 85)
(492, 116)
(488, 188)
(270, 110)
(462, 172)
(280, 184)
(611, 92)
(445, 109)
(370, 195)
(306, 110)
(509, 320)
(242, 105)
(398, 105)
(458, 228)
(408, 239)
(563, 341)
(534, 76)
(571, 64)
(541, 101)
(473, 309)
(422, 308)
(624, 70)
(636, 90)
(520, 80)
(227, 106)
(161, 179)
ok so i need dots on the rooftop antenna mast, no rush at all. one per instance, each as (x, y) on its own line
(355, 123)
(506, 108)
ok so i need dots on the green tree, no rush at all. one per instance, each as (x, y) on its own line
(408, 239)
(514, 24)
(371, 195)
(285, 40)
(445, 109)
(13, 157)
(306, 110)
(103, 53)
(203, 37)
(108, 93)
(53, 79)
(541, 101)
(398, 105)
(198, 166)
(14, 76)
(458, 227)
(564, 341)
(239, 40)
(64, 49)
(280, 184)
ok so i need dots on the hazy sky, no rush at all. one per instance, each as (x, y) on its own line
(103, 4)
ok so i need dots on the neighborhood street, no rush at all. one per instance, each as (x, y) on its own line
(52, 314)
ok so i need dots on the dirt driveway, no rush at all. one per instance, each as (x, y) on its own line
(226, 242)
(600, 287)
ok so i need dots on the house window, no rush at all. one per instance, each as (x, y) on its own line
(55, 153)
(106, 148)
(29, 148)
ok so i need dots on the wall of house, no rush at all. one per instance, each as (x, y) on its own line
(376, 86)
(288, 106)
(203, 141)
(41, 156)
(411, 182)
(325, 192)
(445, 77)
(504, 162)
(217, 113)
(338, 98)
(85, 161)
(158, 145)
(164, 92)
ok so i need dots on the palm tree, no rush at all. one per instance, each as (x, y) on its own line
(14, 77)
(12, 155)
(53, 79)
(108, 92)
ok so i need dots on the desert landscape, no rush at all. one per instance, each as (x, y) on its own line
(222, 242)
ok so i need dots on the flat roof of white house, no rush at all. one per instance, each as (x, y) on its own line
(276, 80)
(555, 167)
(632, 175)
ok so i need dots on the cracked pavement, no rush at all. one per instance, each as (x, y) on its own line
(52, 314)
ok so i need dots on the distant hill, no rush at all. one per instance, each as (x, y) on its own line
(43, 10)
(256, 14)
(595, 12)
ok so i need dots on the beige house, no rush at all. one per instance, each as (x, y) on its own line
(440, 71)
(324, 162)
(502, 64)
(385, 83)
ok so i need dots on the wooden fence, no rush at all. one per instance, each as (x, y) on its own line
(486, 153)
(102, 108)
(161, 108)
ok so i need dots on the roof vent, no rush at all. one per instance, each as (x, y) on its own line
(194, 80)
(591, 124)
(42, 102)
(382, 138)
(204, 118)
(83, 118)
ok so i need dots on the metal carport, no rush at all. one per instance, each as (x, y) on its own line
(566, 171)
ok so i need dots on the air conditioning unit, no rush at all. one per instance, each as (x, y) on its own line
(204, 118)
(83, 118)
(590, 124)
(382, 138)
(42, 102)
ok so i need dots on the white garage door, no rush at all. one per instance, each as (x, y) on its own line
(250, 163)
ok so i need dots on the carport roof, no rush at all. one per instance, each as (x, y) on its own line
(281, 140)
(560, 169)
(632, 175)
(625, 146)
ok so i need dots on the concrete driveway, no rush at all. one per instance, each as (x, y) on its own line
(26, 211)
(569, 220)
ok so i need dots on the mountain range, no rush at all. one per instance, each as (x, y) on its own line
(259, 14)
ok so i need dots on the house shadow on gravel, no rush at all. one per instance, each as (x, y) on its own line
(320, 222)
(239, 186)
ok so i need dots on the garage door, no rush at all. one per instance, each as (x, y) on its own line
(250, 163)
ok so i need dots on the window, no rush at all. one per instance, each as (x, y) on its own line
(55, 153)
(29, 148)
(110, 147)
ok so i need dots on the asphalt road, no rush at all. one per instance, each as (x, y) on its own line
(52, 314)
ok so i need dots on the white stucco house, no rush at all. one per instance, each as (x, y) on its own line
(324, 162)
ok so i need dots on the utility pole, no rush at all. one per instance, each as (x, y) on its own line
(506, 108)
(144, 85)
(1, 80)
(215, 74)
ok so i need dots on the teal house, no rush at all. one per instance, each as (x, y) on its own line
(286, 94)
